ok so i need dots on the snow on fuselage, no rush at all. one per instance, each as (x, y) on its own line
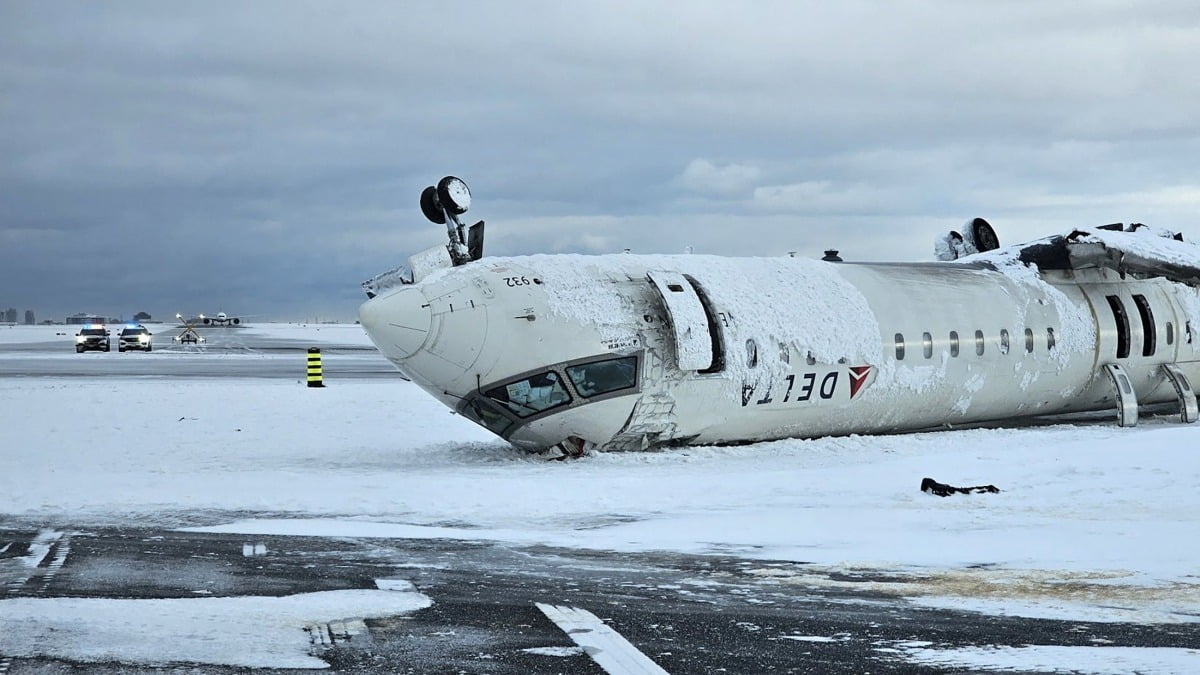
(545, 348)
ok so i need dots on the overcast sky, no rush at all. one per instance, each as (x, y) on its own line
(265, 158)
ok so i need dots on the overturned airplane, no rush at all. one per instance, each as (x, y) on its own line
(640, 351)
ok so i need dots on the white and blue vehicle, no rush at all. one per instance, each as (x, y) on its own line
(92, 337)
(135, 337)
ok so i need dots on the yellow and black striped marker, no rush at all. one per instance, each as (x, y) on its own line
(314, 367)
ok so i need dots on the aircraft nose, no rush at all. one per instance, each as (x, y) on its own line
(397, 323)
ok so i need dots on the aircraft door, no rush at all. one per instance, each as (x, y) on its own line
(690, 324)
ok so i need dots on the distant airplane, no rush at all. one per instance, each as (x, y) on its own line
(639, 351)
(220, 320)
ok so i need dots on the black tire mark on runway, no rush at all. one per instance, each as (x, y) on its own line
(49, 565)
(57, 555)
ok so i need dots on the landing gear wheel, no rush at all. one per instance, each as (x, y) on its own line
(985, 237)
(453, 193)
(431, 207)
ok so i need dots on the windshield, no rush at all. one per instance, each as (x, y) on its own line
(531, 395)
(92, 331)
(134, 331)
(602, 377)
(483, 413)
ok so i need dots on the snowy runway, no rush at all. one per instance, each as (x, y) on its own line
(1093, 523)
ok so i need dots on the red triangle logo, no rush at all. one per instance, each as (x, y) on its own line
(858, 379)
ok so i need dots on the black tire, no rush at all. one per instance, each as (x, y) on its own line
(107, 348)
(985, 236)
(120, 350)
(149, 348)
(431, 207)
(446, 189)
(78, 349)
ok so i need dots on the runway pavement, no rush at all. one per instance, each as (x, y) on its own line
(687, 614)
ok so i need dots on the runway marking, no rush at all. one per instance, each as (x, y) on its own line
(327, 635)
(608, 648)
(40, 547)
(62, 550)
(46, 542)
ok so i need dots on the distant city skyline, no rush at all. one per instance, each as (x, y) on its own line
(30, 316)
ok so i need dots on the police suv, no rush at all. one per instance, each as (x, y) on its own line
(134, 337)
(92, 336)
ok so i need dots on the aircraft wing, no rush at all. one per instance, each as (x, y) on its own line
(1141, 252)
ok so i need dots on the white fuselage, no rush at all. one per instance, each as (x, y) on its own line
(629, 351)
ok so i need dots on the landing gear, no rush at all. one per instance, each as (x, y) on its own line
(984, 236)
(454, 195)
(443, 204)
(431, 207)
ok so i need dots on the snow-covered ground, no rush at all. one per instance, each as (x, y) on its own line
(1093, 522)
(253, 631)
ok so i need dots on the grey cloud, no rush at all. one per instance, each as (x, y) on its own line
(274, 151)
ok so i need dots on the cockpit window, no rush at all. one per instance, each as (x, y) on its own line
(488, 416)
(602, 377)
(531, 395)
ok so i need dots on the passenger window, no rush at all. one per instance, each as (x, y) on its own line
(751, 353)
(1004, 343)
(954, 343)
(602, 377)
(784, 353)
(1029, 340)
(1050, 339)
(927, 343)
(979, 343)
(532, 395)
(899, 346)
(1170, 333)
